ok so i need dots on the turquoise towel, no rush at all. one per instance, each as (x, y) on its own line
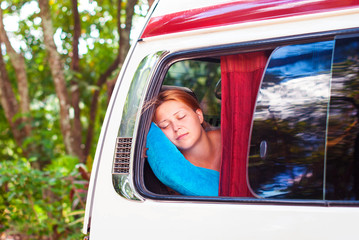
(173, 170)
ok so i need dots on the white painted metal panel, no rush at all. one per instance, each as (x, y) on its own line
(115, 217)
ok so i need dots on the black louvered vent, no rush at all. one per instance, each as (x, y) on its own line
(121, 163)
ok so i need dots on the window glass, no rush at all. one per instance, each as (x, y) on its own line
(343, 133)
(287, 147)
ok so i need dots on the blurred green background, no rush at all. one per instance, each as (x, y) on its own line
(59, 61)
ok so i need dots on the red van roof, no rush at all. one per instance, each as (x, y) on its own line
(240, 12)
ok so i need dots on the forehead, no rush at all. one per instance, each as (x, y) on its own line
(169, 108)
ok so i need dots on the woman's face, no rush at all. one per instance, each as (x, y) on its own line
(180, 123)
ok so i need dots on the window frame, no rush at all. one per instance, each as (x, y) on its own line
(154, 87)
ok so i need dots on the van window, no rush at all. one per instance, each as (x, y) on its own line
(304, 137)
(303, 133)
(287, 148)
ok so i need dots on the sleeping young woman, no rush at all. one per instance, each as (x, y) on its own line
(183, 151)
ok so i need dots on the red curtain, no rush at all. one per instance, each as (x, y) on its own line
(241, 77)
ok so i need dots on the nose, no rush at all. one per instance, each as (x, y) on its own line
(176, 126)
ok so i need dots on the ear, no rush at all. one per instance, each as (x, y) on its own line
(200, 115)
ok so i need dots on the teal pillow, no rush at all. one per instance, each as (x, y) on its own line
(173, 170)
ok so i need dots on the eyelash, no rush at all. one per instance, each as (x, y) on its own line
(179, 118)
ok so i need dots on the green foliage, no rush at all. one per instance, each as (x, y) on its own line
(45, 199)
(43, 189)
(8, 147)
(98, 48)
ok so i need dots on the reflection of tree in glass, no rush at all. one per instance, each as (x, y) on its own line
(290, 116)
(291, 161)
(343, 132)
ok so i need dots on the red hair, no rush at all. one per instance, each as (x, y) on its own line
(179, 96)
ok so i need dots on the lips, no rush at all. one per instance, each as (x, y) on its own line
(180, 137)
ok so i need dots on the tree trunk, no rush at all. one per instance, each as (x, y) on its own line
(56, 66)
(18, 62)
(75, 66)
(9, 99)
(9, 102)
(124, 45)
(124, 42)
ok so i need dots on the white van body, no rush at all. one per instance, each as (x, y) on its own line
(135, 216)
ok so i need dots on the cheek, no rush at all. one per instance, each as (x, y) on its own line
(195, 124)
(168, 132)
(193, 121)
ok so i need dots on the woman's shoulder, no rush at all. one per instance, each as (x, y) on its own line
(215, 134)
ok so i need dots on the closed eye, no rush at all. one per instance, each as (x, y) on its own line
(164, 125)
(181, 116)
